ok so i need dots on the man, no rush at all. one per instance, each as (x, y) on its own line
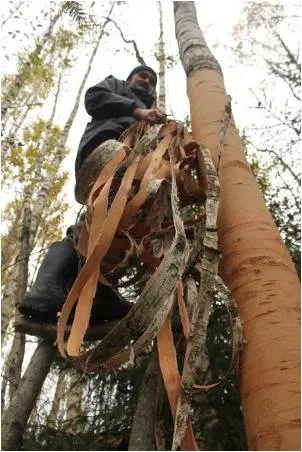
(113, 106)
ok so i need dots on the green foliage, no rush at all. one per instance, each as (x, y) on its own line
(63, 40)
(229, 432)
(282, 208)
(170, 60)
(51, 439)
(75, 10)
(109, 402)
(34, 154)
(36, 73)
(262, 174)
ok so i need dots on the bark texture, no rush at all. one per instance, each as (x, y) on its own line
(15, 418)
(74, 403)
(255, 263)
(194, 52)
(142, 435)
(49, 331)
(161, 57)
(55, 414)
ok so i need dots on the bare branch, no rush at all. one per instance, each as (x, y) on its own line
(140, 59)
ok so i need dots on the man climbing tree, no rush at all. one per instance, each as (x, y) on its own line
(113, 106)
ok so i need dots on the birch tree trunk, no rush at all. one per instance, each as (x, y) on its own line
(13, 92)
(18, 281)
(162, 61)
(14, 360)
(74, 403)
(54, 416)
(15, 418)
(142, 436)
(59, 155)
(255, 263)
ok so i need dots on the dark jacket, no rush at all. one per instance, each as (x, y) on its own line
(110, 103)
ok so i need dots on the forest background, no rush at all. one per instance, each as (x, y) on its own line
(52, 52)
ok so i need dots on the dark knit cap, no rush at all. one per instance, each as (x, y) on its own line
(143, 67)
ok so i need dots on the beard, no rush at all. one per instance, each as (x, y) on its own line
(143, 95)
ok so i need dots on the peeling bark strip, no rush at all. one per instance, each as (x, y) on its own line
(255, 264)
(172, 152)
(148, 314)
(150, 311)
(196, 345)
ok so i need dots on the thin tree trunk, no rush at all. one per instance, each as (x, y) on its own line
(54, 415)
(74, 403)
(142, 436)
(18, 281)
(15, 418)
(18, 82)
(14, 360)
(13, 364)
(208, 417)
(162, 61)
(59, 155)
(255, 263)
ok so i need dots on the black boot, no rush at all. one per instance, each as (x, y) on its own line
(108, 305)
(54, 279)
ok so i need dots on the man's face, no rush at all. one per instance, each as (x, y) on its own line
(143, 80)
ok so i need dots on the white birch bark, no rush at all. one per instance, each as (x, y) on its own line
(162, 61)
(193, 50)
(59, 155)
(13, 362)
(16, 285)
(56, 408)
(74, 403)
(15, 417)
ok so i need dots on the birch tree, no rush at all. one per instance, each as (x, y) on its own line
(74, 407)
(15, 417)
(55, 414)
(161, 58)
(255, 263)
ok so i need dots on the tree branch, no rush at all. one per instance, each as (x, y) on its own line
(49, 331)
(140, 59)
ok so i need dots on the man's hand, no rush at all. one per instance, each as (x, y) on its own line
(152, 115)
